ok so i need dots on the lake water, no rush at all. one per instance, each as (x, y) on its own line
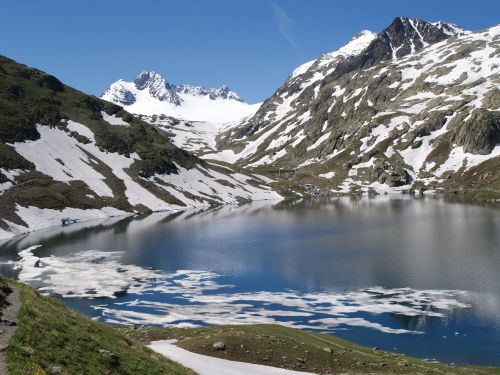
(417, 276)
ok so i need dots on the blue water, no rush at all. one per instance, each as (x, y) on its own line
(276, 257)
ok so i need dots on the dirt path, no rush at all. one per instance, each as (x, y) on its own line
(8, 324)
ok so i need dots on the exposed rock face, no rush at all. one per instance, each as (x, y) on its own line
(402, 37)
(120, 95)
(415, 105)
(222, 92)
(384, 173)
(481, 132)
(158, 87)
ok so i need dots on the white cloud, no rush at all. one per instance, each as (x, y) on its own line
(284, 23)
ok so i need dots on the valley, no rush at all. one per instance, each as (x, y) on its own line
(346, 223)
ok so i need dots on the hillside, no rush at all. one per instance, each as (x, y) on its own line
(52, 339)
(416, 106)
(67, 154)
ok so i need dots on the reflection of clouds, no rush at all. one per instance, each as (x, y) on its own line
(320, 311)
(188, 297)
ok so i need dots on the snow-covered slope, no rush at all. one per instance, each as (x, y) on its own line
(151, 94)
(67, 154)
(404, 36)
(416, 106)
(198, 137)
(60, 156)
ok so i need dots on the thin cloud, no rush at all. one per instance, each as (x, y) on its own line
(284, 23)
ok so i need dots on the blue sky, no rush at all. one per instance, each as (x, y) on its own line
(250, 45)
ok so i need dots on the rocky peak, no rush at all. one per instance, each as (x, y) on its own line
(125, 93)
(450, 29)
(225, 92)
(222, 92)
(119, 93)
(406, 35)
(402, 37)
(158, 87)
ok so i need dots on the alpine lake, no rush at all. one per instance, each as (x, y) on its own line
(419, 276)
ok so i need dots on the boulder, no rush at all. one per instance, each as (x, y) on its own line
(219, 345)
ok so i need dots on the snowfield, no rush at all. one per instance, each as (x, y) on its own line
(206, 365)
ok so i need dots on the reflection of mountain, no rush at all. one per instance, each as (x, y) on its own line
(311, 245)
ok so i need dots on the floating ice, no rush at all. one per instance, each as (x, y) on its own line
(193, 298)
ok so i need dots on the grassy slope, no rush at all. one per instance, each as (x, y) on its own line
(297, 350)
(61, 337)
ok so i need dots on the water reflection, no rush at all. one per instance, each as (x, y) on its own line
(334, 247)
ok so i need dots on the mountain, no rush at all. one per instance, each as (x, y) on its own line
(151, 94)
(416, 106)
(67, 154)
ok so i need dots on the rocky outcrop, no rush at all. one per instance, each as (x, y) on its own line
(480, 133)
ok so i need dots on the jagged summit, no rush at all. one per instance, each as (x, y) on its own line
(450, 29)
(159, 88)
(407, 35)
(357, 44)
(151, 94)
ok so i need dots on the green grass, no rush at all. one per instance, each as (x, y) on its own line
(51, 335)
(296, 350)
(488, 195)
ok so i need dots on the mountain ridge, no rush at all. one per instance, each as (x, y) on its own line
(324, 130)
(151, 94)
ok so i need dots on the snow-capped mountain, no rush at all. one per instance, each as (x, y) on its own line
(416, 105)
(151, 94)
(402, 37)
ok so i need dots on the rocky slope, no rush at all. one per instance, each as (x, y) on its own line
(67, 154)
(151, 94)
(414, 106)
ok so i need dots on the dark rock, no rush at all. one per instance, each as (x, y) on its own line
(392, 176)
(480, 133)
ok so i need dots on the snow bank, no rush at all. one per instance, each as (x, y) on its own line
(206, 365)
